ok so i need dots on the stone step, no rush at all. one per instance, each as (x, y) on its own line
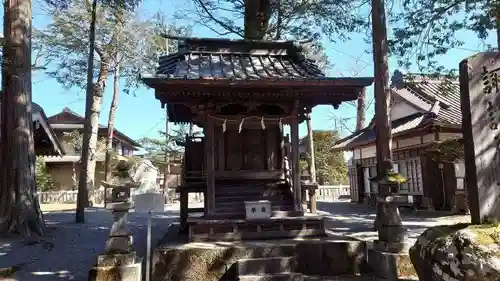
(241, 204)
(237, 198)
(272, 277)
(265, 265)
(242, 211)
(364, 277)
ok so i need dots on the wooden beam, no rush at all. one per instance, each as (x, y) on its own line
(297, 189)
(209, 170)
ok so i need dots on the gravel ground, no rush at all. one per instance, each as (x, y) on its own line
(70, 249)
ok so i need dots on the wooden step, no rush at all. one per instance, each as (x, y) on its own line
(259, 266)
(273, 277)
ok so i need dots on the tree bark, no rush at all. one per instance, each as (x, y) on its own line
(382, 97)
(111, 120)
(382, 90)
(19, 207)
(87, 171)
(361, 111)
(256, 22)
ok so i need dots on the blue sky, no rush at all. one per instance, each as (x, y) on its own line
(141, 115)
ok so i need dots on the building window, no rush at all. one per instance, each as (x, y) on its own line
(412, 170)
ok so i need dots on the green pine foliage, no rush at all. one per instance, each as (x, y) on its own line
(331, 167)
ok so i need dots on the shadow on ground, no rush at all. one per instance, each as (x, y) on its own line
(69, 250)
(343, 218)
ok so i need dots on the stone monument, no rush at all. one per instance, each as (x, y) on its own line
(480, 99)
(147, 197)
(118, 261)
(389, 257)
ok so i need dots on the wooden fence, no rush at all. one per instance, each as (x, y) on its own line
(329, 193)
(66, 197)
(333, 193)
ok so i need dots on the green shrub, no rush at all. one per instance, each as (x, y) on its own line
(43, 177)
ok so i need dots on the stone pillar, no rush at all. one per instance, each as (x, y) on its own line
(297, 190)
(209, 169)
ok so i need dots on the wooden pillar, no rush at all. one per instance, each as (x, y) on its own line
(294, 135)
(312, 164)
(209, 170)
(184, 209)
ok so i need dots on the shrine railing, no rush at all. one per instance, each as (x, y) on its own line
(66, 197)
(333, 193)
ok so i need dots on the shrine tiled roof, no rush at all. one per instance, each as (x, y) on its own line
(423, 91)
(399, 125)
(237, 62)
(438, 101)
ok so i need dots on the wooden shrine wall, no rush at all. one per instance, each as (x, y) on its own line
(252, 149)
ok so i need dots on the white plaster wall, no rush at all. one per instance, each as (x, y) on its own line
(428, 138)
(445, 136)
(409, 142)
(460, 169)
(367, 152)
(402, 109)
(357, 153)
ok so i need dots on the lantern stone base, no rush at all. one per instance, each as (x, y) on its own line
(391, 266)
(111, 268)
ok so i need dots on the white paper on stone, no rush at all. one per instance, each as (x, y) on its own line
(147, 197)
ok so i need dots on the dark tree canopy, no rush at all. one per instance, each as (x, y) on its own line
(427, 29)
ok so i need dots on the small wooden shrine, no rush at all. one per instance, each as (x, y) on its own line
(242, 93)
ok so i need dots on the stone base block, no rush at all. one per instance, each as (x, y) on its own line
(116, 259)
(392, 266)
(382, 246)
(130, 272)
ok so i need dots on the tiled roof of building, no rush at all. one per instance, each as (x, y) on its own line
(237, 60)
(437, 98)
(429, 90)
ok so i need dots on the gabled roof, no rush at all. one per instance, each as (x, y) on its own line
(423, 91)
(39, 117)
(237, 60)
(438, 100)
(239, 70)
(68, 119)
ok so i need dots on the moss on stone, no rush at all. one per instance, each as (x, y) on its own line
(486, 234)
(405, 267)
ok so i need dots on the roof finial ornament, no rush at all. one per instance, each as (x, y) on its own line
(397, 77)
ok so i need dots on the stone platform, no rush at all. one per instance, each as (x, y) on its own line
(204, 229)
(288, 259)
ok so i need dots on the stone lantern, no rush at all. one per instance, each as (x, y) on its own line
(390, 250)
(118, 261)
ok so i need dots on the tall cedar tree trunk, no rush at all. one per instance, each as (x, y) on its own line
(87, 171)
(111, 119)
(361, 111)
(382, 91)
(95, 93)
(19, 207)
(382, 95)
(257, 13)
